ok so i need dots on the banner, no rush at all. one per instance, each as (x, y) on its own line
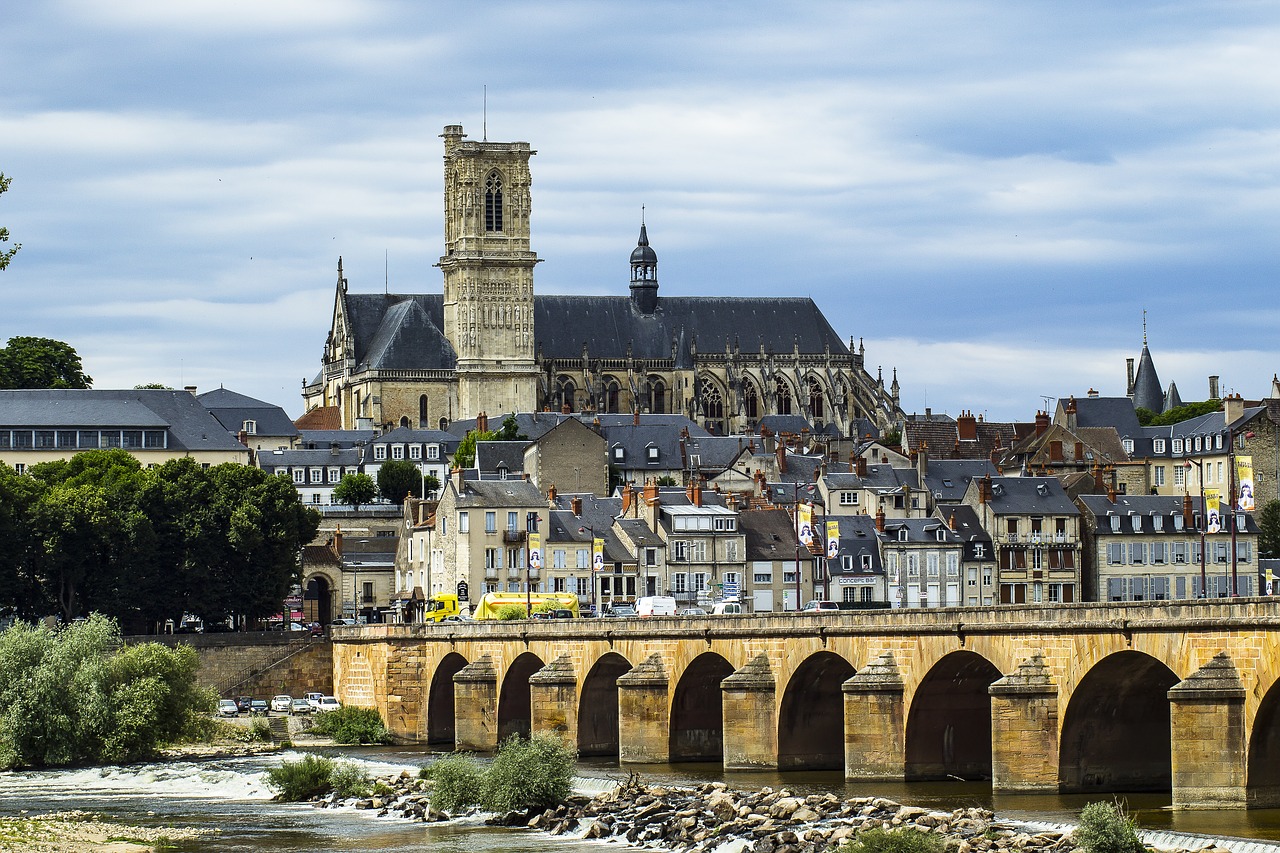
(597, 555)
(1213, 520)
(833, 540)
(805, 521)
(1244, 483)
(535, 550)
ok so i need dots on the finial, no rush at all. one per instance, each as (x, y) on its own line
(642, 214)
(1144, 327)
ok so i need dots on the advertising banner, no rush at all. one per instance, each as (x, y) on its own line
(1213, 517)
(1244, 483)
(535, 550)
(806, 523)
(597, 555)
(833, 540)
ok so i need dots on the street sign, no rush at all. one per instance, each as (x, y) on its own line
(463, 592)
(730, 589)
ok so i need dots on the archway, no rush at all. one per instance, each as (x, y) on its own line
(949, 723)
(1116, 732)
(440, 713)
(811, 719)
(697, 710)
(1263, 768)
(598, 706)
(317, 600)
(515, 714)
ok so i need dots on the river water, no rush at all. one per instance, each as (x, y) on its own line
(231, 797)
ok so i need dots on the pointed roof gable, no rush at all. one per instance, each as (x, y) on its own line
(1147, 393)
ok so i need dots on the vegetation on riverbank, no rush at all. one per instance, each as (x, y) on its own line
(351, 725)
(77, 696)
(73, 832)
(532, 773)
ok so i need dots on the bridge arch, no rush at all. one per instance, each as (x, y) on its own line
(697, 710)
(1116, 729)
(1263, 768)
(515, 711)
(949, 721)
(811, 716)
(440, 709)
(598, 706)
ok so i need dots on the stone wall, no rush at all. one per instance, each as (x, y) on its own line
(260, 664)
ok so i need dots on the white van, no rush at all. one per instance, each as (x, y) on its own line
(726, 608)
(656, 605)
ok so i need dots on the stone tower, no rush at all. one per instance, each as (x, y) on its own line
(488, 273)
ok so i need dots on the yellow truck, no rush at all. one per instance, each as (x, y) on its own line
(556, 602)
(440, 607)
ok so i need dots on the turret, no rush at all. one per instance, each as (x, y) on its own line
(644, 274)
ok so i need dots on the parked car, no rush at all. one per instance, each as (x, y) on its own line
(820, 606)
(621, 611)
(313, 700)
(342, 622)
(227, 708)
(727, 608)
(328, 703)
(558, 613)
(243, 703)
(281, 703)
(259, 708)
(317, 630)
(656, 605)
(300, 706)
(692, 611)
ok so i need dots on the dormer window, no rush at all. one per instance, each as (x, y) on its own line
(902, 534)
(1128, 445)
(379, 452)
(1177, 445)
(1217, 441)
(1157, 446)
(1158, 521)
(1199, 446)
(1115, 523)
(619, 454)
(493, 202)
(250, 427)
(651, 453)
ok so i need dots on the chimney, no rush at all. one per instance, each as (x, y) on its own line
(697, 492)
(860, 466)
(651, 492)
(635, 417)
(967, 426)
(243, 438)
(1042, 423)
(1093, 394)
(1111, 492)
(1069, 409)
(984, 489)
(1129, 385)
(565, 409)
(1232, 408)
(551, 494)
(482, 422)
(1213, 388)
(766, 436)
(190, 389)
(337, 541)
(922, 461)
(782, 457)
(575, 505)
(1188, 514)
(1097, 478)
(1079, 451)
(626, 498)
(951, 520)
(880, 519)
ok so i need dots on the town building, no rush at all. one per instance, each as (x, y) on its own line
(258, 425)
(782, 572)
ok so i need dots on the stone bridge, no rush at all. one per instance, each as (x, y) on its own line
(1174, 696)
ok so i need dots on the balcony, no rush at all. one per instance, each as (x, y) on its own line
(534, 574)
(515, 574)
(490, 574)
(514, 536)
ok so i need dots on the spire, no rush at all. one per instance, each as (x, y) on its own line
(1147, 392)
(644, 272)
(342, 281)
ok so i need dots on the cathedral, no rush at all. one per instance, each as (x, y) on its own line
(489, 343)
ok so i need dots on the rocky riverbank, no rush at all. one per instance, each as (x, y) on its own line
(78, 832)
(704, 819)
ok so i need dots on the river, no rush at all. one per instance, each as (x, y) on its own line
(231, 797)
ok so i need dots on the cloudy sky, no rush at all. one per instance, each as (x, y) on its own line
(988, 193)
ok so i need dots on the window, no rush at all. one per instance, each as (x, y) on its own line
(317, 476)
(1137, 553)
(1159, 552)
(932, 564)
(619, 454)
(848, 498)
(492, 558)
(731, 552)
(433, 451)
(850, 593)
(1177, 445)
(250, 427)
(368, 592)
(979, 551)
(464, 523)
(379, 452)
(415, 451)
(1157, 446)
(1128, 445)
(584, 558)
(726, 524)
(493, 202)
(557, 558)
(513, 521)
(490, 522)
(846, 562)
(680, 551)
(397, 451)
(866, 562)
(1159, 475)
(334, 475)
(1179, 475)
(652, 453)
(953, 565)
(1217, 442)
(679, 582)
(299, 476)
(763, 576)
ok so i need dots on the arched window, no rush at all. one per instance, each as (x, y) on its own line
(422, 413)
(656, 396)
(783, 392)
(816, 397)
(611, 393)
(404, 420)
(712, 403)
(564, 394)
(750, 400)
(493, 201)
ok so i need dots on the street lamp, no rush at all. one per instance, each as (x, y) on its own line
(1232, 505)
(587, 528)
(1203, 520)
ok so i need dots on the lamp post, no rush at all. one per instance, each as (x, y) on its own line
(588, 529)
(1204, 557)
(1232, 502)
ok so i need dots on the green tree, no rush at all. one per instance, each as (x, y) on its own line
(354, 490)
(1269, 525)
(41, 363)
(18, 586)
(1184, 413)
(398, 479)
(465, 455)
(1105, 828)
(533, 773)
(6, 255)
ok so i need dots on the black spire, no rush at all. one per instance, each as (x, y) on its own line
(644, 274)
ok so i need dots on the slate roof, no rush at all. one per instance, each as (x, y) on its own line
(1145, 508)
(409, 435)
(942, 437)
(324, 438)
(1147, 393)
(970, 530)
(500, 493)
(269, 460)
(1030, 496)
(770, 535)
(794, 424)
(190, 425)
(398, 331)
(857, 537)
(947, 479)
(597, 515)
(232, 410)
(919, 531)
(492, 456)
(1115, 412)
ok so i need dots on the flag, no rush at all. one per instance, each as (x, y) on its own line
(833, 539)
(1213, 523)
(805, 513)
(597, 555)
(1244, 483)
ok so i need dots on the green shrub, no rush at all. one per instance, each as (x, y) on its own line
(895, 841)
(349, 779)
(1105, 828)
(351, 725)
(508, 612)
(301, 780)
(527, 774)
(457, 782)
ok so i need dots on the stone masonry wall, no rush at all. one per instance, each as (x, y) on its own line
(260, 665)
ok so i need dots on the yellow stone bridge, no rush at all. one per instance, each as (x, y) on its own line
(1178, 696)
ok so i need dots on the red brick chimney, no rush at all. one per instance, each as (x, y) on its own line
(951, 521)
(860, 466)
(565, 408)
(635, 417)
(650, 492)
(626, 498)
(1042, 423)
(575, 505)
(551, 494)
(337, 541)
(1069, 409)
(880, 519)
(1188, 513)
(782, 457)
(697, 492)
(967, 426)
(482, 422)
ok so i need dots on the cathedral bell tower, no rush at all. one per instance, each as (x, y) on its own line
(488, 273)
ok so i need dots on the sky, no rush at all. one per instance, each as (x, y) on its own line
(988, 194)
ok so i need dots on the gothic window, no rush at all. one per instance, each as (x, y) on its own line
(564, 393)
(611, 393)
(656, 396)
(712, 402)
(750, 400)
(815, 398)
(783, 391)
(422, 412)
(493, 202)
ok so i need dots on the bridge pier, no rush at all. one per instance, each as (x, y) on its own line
(553, 700)
(1024, 729)
(644, 715)
(1209, 750)
(475, 706)
(875, 731)
(750, 724)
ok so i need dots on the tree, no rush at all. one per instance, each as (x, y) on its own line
(354, 490)
(397, 479)
(41, 363)
(6, 256)
(1269, 524)
(465, 455)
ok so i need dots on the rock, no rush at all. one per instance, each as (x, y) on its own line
(804, 814)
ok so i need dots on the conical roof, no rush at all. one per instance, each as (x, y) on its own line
(1147, 393)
